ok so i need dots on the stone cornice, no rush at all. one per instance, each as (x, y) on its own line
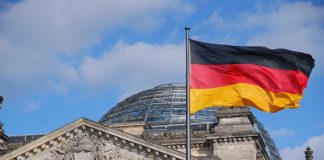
(233, 112)
(244, 137)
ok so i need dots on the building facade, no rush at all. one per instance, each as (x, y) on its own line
(151, 125)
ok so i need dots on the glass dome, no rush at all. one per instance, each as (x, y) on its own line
(164, 108)
(162, 105)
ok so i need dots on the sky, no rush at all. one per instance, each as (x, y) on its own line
(62, 60)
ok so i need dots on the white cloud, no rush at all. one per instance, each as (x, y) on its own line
(282, 132)
(296, 26)
(67, 26)
(36, 34)
(136, 66)
(297, 153)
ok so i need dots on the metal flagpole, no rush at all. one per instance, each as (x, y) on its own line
(188, 145)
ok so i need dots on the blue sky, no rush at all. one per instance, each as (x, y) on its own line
(62, 60)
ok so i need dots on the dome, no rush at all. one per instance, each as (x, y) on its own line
(162, 110)
(162, 105)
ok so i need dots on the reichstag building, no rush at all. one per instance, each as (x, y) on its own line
(149, 125)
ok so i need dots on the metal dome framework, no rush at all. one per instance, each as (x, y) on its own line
(162, 105)
(164, 108)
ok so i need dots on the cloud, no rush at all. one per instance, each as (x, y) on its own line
(282, 25)
(288, 27)
(135, 66)
(36, 34)
(282, 132)
(68, 26)
(297, 153)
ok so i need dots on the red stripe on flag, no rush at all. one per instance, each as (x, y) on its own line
(275, 80)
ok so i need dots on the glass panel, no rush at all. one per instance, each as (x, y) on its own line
(135, 119)
(158, 119)
(178, 111)
(204, 112)
(178, 119)
(136, 113)
(159, 111)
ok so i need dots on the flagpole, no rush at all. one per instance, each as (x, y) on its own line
(188, 145)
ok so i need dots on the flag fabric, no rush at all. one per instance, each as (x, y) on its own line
(269, 80)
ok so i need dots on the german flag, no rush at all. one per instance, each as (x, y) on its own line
(269, 80)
